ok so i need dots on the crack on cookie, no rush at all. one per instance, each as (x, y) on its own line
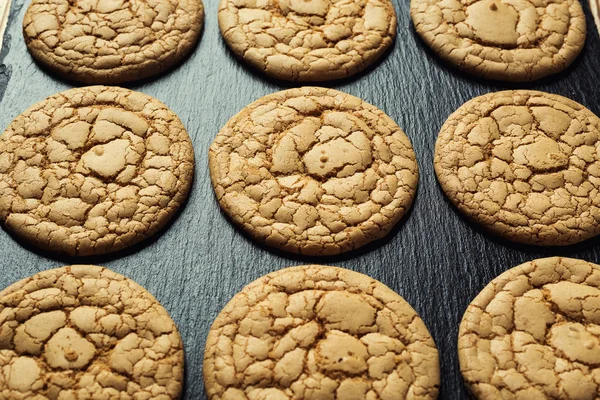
(308, 41)
(111, 41)
(524, 164)
(93, 170)
(513, 40)
(97, 334)
(522, 336)
(382, 349)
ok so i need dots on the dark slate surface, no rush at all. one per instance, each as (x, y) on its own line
(435, 259)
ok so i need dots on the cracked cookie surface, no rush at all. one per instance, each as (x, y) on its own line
(93, 170)
(534, 333)
(525, 165)
(319, 333)
(510, 40)
(313, 171)
(308, 40)
(111, 41)
(85, 332)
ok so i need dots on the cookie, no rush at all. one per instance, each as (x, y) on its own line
(595, 6)
(520, 40)
(111, 41)
(308, 41)
(524, 165)
(4, 11)
(315, 333)
(534, 333)
(93, 170)
(85, 332)
(313, 171)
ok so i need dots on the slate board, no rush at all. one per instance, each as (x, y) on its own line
(435, 259)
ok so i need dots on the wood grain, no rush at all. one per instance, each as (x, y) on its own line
(435, 259)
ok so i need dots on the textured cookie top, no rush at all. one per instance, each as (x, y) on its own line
(93, 170)
(512, 40)
(319, 333)
(308, 40)
(524, 164)
(85, 332)
(111, 41)
(313, 171)
(534, 333)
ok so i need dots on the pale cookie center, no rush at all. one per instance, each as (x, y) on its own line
(340, 352)
(67, 349)
(323, 152)
(544, 154)
(106, 160)
(345, 311)
(340, 156)
(305, 7)
(494, 22)
(101, 6)
(115, 143)
(115, 130)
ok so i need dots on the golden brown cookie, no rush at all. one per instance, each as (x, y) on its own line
(313, 171)
(308, 41)
(111, 41)
(314, 332)
(85, 332)
(93, 170)
(534, 333)
(524, 165)
(509, 40)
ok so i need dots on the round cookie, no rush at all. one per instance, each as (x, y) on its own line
(308, 41)
(313, 171)
(315, 332)
(509, 40)
(111, 41)
(85, 332)
(534, 333)
(93, 170)
(524, 165)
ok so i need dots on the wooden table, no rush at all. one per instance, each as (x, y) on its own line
(435, 259)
